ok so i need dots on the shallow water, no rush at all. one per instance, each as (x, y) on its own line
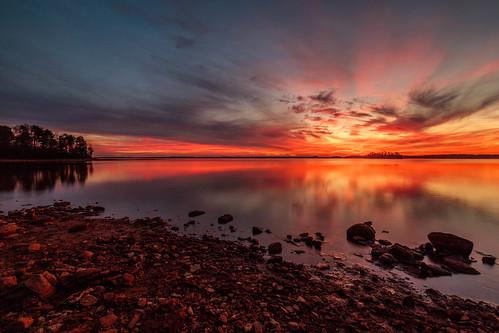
(408, 198)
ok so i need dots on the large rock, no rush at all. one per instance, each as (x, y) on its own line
(226, 218)
(40, 285)
(196, 212)
(275, 248)
(449, 244)
(7, 229)
(459, 266)
(361, 233)
(404, 254)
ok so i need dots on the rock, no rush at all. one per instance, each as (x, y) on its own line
(459, 266)
(88, 300)
(40, 285)
(33, 247)
(8, 229)
(50, 277)
(257, 327)
(387, 259)
(361, 233)
(275, 260)
(489, 260)
(26, 321)
(384, 242)
(404, 254)
(256, 230)
(409, 301)
(322, 266)
(77, 228)
(316, 244)
(275, 248)
(195, 213)
(377, 251)
(226, 218)
(429, 270)
(426, 248)
(108, 321)
(449, 244)
(8, 281)
(62, 204)
(87, 254)
(128, 279)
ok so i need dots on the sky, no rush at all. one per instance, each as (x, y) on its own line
(273, 78)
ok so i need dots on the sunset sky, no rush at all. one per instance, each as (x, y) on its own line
(255, 77)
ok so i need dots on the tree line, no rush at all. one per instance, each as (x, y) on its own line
(35, 142)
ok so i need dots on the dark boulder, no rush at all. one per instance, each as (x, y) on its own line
(275, 248)
(404, 254)
(489, 260)
(449, 244)
(377, 251)
(226, 218)
(429, 270)
(256, 230)
(384, 242)
(196, 212)
(459, 266)
(361, 233)
(387, 259)
(275, 260)
(426, 248)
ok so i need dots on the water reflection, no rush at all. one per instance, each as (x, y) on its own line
(408, 198)
(36, 177)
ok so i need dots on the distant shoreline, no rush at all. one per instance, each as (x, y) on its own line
(46, 160)
(145, 158)
(442, 156)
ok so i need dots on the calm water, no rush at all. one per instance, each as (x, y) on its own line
(409, 198)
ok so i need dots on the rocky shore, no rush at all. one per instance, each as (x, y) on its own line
(66, 269)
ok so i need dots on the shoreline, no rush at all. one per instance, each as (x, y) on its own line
(68, 269)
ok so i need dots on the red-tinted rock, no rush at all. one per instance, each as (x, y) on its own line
(459, 266)
(40, 285)
(449, 244)
(275, 248)
(361, 233)
(226, 218)
(195, 213)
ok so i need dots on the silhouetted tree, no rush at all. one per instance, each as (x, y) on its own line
(33, 141)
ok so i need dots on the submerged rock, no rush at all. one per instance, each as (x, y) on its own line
(489, 260)
(196, 212)
(361, 233)
(275, 248)
(404, 254)
(449, 244)
(256, 230)
(459, 266)
(226, 218)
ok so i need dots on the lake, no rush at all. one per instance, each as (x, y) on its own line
(408, 198)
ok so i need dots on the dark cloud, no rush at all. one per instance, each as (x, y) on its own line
(388, 111)
(432, 98)
(324, 97)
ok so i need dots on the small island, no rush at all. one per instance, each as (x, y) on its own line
(33, 142)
